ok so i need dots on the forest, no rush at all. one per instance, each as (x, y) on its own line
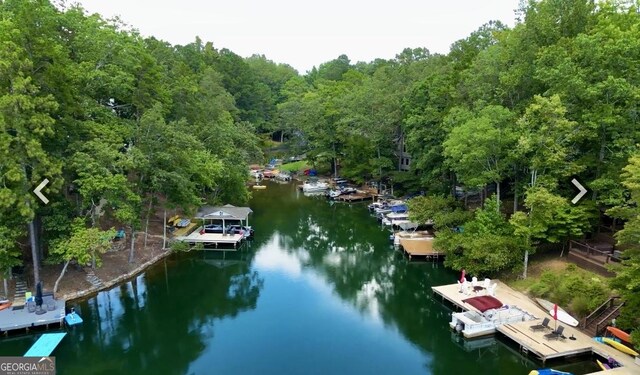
(123, 125)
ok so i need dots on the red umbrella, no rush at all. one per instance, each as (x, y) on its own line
(555, 314)
(462, 279)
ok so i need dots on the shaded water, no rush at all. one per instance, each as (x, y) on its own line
(318, 291)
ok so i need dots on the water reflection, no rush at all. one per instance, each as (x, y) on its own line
(344, 249)
(320, 290)
(161, 321)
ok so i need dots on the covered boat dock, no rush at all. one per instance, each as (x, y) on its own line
(223, 216)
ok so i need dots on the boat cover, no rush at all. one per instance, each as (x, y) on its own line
(483, 303)
(399, 208)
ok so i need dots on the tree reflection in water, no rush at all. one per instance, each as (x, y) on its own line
(350, 252)
(159, 323)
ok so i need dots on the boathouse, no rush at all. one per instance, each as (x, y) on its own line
(217, 228)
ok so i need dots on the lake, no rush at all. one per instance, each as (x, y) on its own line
(319, 290)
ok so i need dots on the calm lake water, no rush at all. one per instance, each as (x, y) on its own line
(319, 291)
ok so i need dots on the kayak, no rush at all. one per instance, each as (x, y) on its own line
(603, 366)
(548, 371)
(563, 316)
(5, 305)
(621, 347)
(600, 339)
(617, 332)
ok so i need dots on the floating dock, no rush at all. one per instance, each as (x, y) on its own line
(534, 343)
(213, 241)
(45, 345)
(419, 247)
(22, 319)
(355, 197)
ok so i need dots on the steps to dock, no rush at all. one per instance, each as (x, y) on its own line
(93, 279)
(19, 294)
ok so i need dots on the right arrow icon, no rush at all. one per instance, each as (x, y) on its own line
(582, 191)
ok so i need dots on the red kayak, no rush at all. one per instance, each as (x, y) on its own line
(5, 305)
(622, 335)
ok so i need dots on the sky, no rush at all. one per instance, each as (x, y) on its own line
(306, 34)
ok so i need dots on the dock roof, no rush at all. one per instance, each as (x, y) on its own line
(227, 212)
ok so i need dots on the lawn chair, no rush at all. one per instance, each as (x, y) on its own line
(492, 289)
(555, 335)
(487, 283)
(542, 326)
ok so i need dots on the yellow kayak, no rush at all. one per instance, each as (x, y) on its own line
(602, 365)
(621, 347)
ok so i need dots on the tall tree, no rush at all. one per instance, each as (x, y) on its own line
(627, 280)
(479, 150)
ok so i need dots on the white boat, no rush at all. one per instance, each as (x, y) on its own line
(283, 176)
(474, 324)
(334, 193)
(563, 316)
(394, 218)
(257, 174)
(376, 205)
(314, 186)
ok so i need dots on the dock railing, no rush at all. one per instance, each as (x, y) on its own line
(591, 252)
(608, 318)
(597, 312)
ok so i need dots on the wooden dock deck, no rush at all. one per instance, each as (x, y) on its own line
(213, 241)
(355, 197)
(534, 342)
(419, 247)
(185, 231)
(22, 319)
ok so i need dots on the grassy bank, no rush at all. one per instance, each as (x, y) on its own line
(574, 289)
(295, 166)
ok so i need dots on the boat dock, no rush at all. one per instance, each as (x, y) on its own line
(529, 342)
(22, 319)
(419, 247)
(216, 236)
(213, 241)
(355, 197)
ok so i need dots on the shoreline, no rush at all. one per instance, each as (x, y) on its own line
(86, 293)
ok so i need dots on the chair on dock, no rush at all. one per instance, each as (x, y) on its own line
(492, 289)
(474, 281)
(555, 335)
(487, 283)
(542, 326)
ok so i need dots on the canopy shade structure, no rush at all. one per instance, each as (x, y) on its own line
(408, 225)
(399, 208)
(226, 212)
(483, 303)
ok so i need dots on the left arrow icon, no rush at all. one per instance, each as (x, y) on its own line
(38, 193)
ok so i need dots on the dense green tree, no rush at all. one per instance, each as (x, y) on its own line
(83, 246)
(487, 244)
(627, 280)
(444, 211)
(479, 150)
